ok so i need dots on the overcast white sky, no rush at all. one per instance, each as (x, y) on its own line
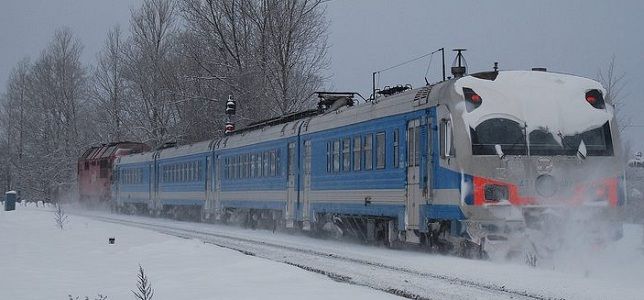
(575, 37)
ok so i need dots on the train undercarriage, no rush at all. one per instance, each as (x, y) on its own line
(538, 234)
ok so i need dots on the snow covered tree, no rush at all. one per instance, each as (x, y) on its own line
(109, 89)
(149, 70)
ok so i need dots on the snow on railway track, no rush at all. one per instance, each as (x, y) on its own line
(405, 281)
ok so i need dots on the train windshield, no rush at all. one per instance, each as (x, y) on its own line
(511, 137)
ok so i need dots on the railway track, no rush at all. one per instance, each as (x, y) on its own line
(405, 281)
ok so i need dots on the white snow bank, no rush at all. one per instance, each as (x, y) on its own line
(39, 261)
(612, 272)
(542, 100)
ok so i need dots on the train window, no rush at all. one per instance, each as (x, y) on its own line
(499, 131)
(417, 144)
(247, 165)
(86, 165)
(368, 154)
(336, 156)
(277, 163)
(329, 157)
(396, 146)
(380, 150)
(346, 154)
(231, 166)
(598, 142)
(237, 170)
(273, 163)
(267, 164)
(447, 146)
(244, 164)
(291, 159)
(357, 153)
(260, 164)
(253, 162)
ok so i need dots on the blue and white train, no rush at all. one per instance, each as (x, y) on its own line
(453, 165)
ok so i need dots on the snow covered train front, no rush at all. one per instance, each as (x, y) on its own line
(460, 165)
(537, 153)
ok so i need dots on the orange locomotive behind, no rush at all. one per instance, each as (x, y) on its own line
(95, 170)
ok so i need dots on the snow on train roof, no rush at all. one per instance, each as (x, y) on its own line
(135, 158)
(542, 100)
(184, 150)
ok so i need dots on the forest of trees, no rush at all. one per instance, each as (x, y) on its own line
(163, 79)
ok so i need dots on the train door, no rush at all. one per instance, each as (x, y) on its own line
(151, 180)
(291, 193)
(429, 166)
(156, 170)
(307, 181)
(208, 206)
(217, 181)
(413, 191)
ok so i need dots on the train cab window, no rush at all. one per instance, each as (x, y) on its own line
(499, 131)
(396, 147)
(346, 155)
(380, 150)
(368, 154)
(598, 142)
(357, 153)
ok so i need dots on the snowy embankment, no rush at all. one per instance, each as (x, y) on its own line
(39, 261)
(44, 262)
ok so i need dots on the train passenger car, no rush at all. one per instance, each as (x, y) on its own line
(132, 184)
(95, 170)
(180, 186)
(461, 164)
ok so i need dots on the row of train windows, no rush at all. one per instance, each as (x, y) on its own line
(181, 172)
(132, 176)
(357, 153)
(252, 165)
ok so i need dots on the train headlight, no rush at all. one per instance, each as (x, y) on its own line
(496, 192)
(472, 99)
(546, 186)
(596, 99)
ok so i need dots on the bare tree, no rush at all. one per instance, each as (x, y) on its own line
(268, 53)
(149, 69)
(60, 217)
(294, 44)
(614, 83)
(145, 290)
(14, 112)
(109, 87)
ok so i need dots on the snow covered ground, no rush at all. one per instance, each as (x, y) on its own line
(43, 262)
(39, 261)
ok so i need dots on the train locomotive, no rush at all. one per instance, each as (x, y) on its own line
(94, 170)
(460, 165)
